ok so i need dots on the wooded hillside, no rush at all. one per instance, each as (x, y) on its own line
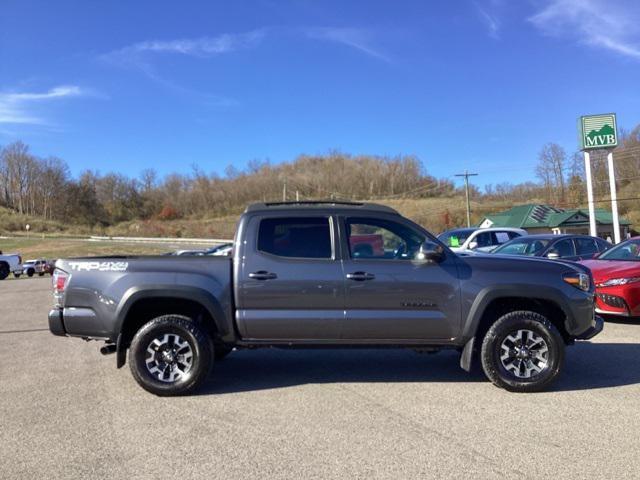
(43, 191)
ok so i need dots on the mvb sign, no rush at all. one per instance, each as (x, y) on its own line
(598, 131)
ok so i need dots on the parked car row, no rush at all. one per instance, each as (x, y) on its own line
(13, 263)
(516, 241)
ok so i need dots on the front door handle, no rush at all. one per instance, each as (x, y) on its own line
(263, 275)
(360, 276)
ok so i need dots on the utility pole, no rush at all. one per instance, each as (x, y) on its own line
(466, 176)
(284, 190)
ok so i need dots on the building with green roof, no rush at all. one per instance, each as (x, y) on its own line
(537, 218)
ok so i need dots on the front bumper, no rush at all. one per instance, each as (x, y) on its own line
(595, 328)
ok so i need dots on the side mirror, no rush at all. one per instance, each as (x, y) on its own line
(553, 255)
(430, 252)
(473, 245)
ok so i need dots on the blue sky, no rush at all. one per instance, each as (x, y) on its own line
(124, 86)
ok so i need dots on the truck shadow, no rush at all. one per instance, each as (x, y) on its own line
(600, 365)
(588, 366)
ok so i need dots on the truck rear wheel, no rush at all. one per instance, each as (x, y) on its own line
(30, 272)
(522, 352)
(171, 355)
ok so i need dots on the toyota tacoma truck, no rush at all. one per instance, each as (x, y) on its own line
(326, 274)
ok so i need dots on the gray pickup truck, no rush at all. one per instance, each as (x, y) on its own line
(326, 274)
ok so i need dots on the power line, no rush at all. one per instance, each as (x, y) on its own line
(466, 176)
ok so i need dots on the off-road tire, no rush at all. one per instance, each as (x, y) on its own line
(4, 270)
(198, 341)
(492, 349)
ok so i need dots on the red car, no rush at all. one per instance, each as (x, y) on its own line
(616, 274)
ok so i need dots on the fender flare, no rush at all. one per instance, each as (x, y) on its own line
(491, 293)
(206, 299)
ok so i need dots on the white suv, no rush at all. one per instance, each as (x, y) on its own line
(466, 240)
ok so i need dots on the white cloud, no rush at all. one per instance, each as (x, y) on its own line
(17, 107)
(139, 55)
(607, 24)
(356, 38)
(199, 47)
(491, 21)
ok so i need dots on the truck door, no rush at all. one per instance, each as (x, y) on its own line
(290, 283)
(389, 295)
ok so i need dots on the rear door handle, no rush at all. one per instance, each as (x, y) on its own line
(263, 275)
(360, 276)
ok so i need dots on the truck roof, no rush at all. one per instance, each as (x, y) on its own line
(318, 205)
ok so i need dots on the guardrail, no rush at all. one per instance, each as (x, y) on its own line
(192, 241)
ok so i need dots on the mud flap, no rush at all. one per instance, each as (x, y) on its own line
(466, 357)
(121, 353)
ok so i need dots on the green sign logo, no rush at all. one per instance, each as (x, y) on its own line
(598, 131)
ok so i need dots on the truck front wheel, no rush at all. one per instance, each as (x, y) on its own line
(171, 355)
(522, 352)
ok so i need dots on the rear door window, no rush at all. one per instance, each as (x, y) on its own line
(502, 237)
(564, 248)
(585, 246)
(296, 237)
(485, 239)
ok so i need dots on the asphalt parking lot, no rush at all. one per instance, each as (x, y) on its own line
(67, 412)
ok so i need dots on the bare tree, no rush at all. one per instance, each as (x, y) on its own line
(551, 171)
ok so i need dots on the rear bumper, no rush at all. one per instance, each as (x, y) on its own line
(593, 330)
(56, 325)
(76, 322)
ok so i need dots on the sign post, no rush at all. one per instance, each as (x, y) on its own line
(614, 198)
(600, 132)
(592, 214)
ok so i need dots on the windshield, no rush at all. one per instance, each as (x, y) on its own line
(455, 238)
(523, 246)
(629, 250)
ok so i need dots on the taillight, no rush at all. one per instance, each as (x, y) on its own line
(60, 279)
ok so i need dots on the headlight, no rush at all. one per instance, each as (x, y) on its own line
(578, 280)
(619, 281)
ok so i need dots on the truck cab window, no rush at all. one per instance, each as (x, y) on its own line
(303, 237)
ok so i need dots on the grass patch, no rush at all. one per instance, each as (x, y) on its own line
(52, 248)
